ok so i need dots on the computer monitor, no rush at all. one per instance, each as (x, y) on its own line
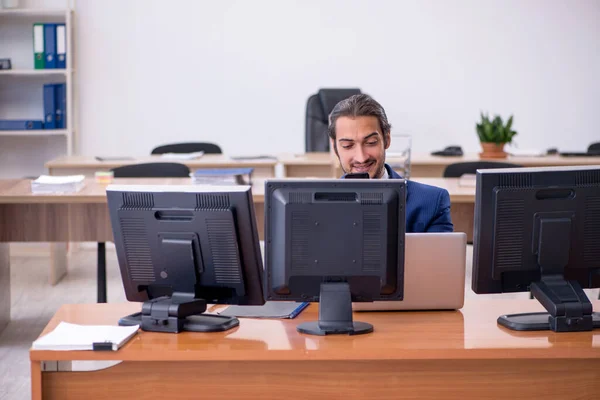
(335, 242)
(538, 229)
(183, 247)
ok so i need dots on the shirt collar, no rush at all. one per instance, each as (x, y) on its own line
(385, 174)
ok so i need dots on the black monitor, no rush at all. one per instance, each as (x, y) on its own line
(538, 229)
(335, 242)
(183, 247)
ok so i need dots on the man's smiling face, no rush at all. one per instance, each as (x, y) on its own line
(361, 145)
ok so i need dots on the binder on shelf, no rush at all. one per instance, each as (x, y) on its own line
(39, 58)
(20, 125)
(50, 45)
(60, 102)
(50, 106)
(61, 46)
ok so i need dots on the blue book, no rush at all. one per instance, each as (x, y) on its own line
(20, 125)
(60, 102)
(50, 46)
(50, 106)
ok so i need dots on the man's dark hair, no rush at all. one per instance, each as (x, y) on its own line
(359, 105)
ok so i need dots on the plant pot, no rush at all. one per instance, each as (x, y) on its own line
(492, 150)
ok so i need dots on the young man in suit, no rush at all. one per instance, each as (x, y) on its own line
(360, 134)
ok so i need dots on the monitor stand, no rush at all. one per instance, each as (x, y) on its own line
(569, 309)
(335, 313)
(177, 313)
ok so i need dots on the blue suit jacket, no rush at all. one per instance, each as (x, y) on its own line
(427, 207)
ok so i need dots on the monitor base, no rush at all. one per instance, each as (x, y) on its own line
(313, 328)
(569, 309)
(335, 313)
(177, 313)
(193, 323)
(535, 321)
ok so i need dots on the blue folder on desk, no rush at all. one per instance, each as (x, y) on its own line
(271, 309)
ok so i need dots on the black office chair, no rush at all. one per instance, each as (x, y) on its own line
(318, 108)
(594, 148)
(457, 170)
(152, 170)
(148, 170)
(191, 147)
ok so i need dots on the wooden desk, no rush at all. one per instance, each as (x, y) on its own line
(422, 165)
(462, 202)
(83, 217)
(87, 165)
(62, 218)
(426, 165)
(431, 355)
(318, 165)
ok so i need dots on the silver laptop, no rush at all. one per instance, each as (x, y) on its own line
(434, 274)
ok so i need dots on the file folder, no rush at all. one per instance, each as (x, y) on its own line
(50, 45)
(61, 46)
(20, 125)
(60, 102)
(39, 59)
(50, 106)
(271, 309)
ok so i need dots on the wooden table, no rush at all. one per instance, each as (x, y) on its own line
(462, 201)
(431, 355)
(433, 166)
(88, 165)
(63, 218)
(423, 165)
(83, 217)
(318, 165)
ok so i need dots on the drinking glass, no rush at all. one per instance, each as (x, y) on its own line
(398, 154)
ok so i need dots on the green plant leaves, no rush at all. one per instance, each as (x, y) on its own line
(495, 131)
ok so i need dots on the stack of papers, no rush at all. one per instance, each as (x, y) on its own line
(57, 184)
(467, 180)
(223, 176)
(183, 156)
(68, 336)
(525, 152)
(251, 158)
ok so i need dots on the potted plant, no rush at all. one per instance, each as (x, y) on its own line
(493, 135)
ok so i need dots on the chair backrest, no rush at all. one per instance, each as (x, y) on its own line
(191, 147)
(594, 148)
(318, 108)
(152, 170)
(457, 170)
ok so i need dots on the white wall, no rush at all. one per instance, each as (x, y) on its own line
(239, 72)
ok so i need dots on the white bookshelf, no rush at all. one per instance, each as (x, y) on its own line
(24, 152)
(36, 132)
(32, 12)
(35, 72)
